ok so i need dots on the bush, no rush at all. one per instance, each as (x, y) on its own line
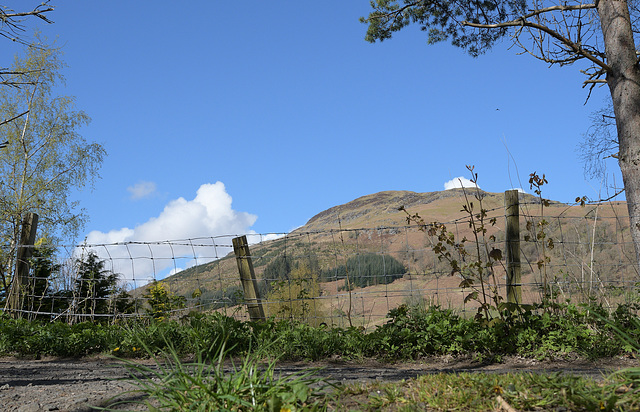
(412, 332)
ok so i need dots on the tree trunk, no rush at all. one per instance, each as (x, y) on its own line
(623, 79)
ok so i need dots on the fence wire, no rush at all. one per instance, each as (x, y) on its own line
(341, 276)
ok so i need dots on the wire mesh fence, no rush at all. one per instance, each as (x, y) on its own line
(344, 276)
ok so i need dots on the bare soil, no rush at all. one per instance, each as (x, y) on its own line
(79, 385)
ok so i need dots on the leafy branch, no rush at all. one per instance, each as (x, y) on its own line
(476, 268)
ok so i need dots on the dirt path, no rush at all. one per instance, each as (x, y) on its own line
(77, 384)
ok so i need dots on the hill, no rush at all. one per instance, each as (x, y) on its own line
(374, 224)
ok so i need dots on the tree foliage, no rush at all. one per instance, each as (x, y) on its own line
(295, 297)
(443, 20)
(42, 295)
(280, 268)
(367, 270)
(602, 34)
(97, 291)
(45, 158)
(162, 301)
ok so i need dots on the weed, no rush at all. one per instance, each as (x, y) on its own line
(476, 263)
(202, 386)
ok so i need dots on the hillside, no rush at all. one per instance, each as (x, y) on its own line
(374, 224)
(366, 212)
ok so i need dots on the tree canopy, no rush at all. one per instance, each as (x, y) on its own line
(44, 158)
(603, 34)
(444, 19)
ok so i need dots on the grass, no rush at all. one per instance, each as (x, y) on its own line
(213, 382)
(484, 392)
(207, 385)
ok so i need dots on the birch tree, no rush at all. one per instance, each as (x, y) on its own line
(45, 158)
(601, 34)
(12, 28)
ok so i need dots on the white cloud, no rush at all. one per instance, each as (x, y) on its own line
(185, 233)
(141, 190)
(458, 182)
(259, 238)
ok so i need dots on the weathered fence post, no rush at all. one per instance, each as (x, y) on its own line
(20, 283)
(512, 255)
(248, 278)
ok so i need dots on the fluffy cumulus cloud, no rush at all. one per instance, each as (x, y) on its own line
(141, 190)
(185, 233)
(458, 182)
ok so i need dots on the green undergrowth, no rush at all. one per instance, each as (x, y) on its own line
(412, 332)
(233, 363)
(488, 392)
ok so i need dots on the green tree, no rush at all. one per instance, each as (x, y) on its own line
(96, 289)
(602, 34)
(295, 297)
(280, 269)
(162, 301)
(367, 270)
(41, 296)
(45, 159)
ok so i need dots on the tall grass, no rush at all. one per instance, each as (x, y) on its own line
(215, 382)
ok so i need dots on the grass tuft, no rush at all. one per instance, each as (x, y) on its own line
(214, 382)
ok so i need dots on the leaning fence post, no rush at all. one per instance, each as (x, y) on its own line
(20, 283)
(512, 255)
(248, 278)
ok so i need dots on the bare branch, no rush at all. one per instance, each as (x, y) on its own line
(559, 8)
(576, 48)
(12, 18)
(13, 118)
(36, 13)
(12, 29)
(609, 198)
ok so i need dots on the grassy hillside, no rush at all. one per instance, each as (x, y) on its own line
(591, 244)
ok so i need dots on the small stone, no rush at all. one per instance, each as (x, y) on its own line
(32, 407)
(5, 387)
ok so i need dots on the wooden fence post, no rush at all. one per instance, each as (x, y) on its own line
(248, 278)
(512, 256)
(20, 283)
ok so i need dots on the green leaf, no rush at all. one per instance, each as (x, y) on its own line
(471, 296)
(466, 283)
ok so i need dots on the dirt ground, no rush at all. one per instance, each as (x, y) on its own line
(54, 384)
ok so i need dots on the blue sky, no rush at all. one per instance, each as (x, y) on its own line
(226, 117)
